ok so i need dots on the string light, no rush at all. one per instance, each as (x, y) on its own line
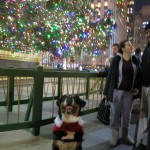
(62, 27)
(120, 5)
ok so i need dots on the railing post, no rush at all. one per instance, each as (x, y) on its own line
(38, 100)
(59, 87)
(10, 93)
(148, 138)
(101, 85)
(29, 106)
(87, 88)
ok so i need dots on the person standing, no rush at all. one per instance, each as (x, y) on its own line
(115, 49)
(144, 119)
(138, 52)
(121, 84)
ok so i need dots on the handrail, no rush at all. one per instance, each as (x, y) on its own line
(87, 85)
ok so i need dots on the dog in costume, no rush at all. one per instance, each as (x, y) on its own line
(68, 129)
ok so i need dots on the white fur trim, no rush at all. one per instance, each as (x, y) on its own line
(81, 121)
(58, 121)
(69, 118)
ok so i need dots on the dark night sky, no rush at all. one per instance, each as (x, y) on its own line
(139, 3)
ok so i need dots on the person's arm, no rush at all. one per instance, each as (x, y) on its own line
(108, 79)
(138, 83)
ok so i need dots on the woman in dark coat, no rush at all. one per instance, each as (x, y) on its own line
(122, 83)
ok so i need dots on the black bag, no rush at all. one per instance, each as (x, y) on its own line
(104, 112)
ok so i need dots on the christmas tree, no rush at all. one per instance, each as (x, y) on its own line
(61, 27)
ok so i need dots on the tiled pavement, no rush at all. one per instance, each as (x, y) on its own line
(96, 137)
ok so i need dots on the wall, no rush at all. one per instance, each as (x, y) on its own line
(17, 64)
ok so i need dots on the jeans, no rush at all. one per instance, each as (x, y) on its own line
(121, 105)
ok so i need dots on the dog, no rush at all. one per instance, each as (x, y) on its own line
(68, 129)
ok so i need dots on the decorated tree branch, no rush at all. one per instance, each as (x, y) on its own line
(62, 27)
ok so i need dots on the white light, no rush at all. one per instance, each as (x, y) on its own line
(106, 4)
(92, 5)
(99, 5)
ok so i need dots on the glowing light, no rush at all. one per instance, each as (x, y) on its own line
(62, 27)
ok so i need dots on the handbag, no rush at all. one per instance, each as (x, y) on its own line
(103, 114)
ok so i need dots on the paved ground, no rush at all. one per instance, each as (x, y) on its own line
(96, 137)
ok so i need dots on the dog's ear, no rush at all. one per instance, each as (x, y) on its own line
(58, 102)
(61, 99)
(80, 101)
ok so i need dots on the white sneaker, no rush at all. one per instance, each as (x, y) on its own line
(115, 136)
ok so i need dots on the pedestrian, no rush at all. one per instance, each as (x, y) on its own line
(138, 52)
(121, 84)
(144, 119)
(115, 49)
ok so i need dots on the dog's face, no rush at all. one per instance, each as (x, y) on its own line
(70, 105)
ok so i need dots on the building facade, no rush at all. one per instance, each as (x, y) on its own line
(130, 19)
(120, 13)
(120, 16)
(140, 21)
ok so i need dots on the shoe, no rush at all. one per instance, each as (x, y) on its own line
(126, 138)
(115, 137)
(140, 147)
(113, 146)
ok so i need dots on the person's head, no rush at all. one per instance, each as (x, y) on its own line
(125, 47)
(115, 48)
(147, 30)
(138, 51)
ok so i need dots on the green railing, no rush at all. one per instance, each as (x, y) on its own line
(28, 96)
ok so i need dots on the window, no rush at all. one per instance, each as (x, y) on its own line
(105, 4)
(131, 3)
(92, 5)
(127, 19)
(99, 5)
(131, 10)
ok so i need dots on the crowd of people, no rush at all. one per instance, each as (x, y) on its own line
(128, 77)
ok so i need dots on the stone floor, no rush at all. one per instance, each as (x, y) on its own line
(96, 137)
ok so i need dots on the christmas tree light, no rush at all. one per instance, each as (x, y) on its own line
(120, 5)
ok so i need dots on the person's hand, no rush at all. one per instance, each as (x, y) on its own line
(105, 96)
(135, 92)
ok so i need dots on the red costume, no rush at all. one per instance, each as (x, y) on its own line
(72, 127)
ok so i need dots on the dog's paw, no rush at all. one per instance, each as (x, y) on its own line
(70, 135)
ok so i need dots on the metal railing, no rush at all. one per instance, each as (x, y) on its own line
(28, 96)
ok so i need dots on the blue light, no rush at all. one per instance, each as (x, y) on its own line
(43, 29)
(112, 27)
(68, 25)
(96, 52)
(65, 47)
(70, 14)
(20, 29)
